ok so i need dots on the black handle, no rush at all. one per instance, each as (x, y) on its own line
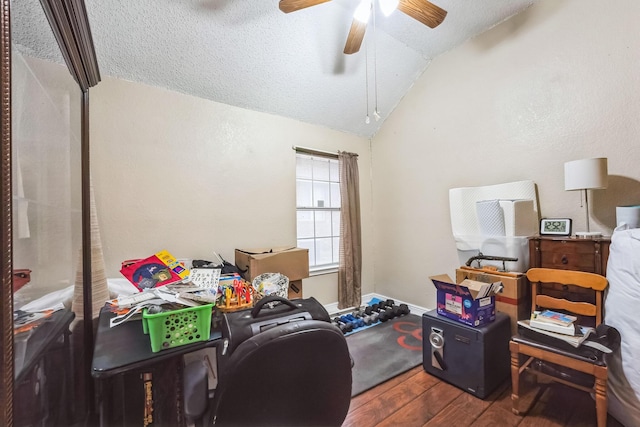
(271, 298)
(608, 336)
(440, 360)
(564, 259)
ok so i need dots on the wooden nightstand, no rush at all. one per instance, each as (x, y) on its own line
(570, 253)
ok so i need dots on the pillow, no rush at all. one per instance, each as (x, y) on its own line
(490, 218)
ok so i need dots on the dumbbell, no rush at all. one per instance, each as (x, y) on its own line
(363, 319)
(344, 327)
(373, 308)
(393, 310)
(367, 319)
(359, 319)
(384, 312)
(385, 304)
(400, 310)
(376, 307)
(404, 309)
(390, 305)
(369, 315)
(350, 318)
(375, 317)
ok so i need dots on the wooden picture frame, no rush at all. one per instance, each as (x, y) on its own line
(555, 226)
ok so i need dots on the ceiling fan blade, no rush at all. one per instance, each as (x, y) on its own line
(422, 10)
(354, 39)
(292, 5)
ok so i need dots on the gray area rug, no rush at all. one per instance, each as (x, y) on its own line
(384, 351)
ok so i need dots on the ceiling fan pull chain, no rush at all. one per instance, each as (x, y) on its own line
(367, 120)
(376, 113)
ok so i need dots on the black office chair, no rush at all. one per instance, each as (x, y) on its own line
(296, 374)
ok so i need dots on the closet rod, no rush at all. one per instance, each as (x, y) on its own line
(312, 151)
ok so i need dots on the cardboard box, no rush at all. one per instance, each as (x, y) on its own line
(295, 289)
(291, 261)
(469, 302)
(515, 298)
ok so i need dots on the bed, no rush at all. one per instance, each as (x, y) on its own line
(622, 304)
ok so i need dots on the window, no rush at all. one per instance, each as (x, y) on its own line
(318, 209)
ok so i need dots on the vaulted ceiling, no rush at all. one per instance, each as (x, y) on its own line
(247, 53)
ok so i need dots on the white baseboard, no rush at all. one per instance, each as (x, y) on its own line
(333, 307)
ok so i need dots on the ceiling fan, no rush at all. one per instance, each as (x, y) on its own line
(422, 10)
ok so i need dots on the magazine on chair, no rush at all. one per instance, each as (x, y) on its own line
(583, 332)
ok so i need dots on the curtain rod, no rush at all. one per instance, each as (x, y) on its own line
(307, 150)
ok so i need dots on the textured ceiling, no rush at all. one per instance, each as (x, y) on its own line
(249, 54)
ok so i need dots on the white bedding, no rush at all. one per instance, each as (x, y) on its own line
(117, 287)
(622, 305)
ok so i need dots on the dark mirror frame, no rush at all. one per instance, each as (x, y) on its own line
(6, 229)
(70, 25)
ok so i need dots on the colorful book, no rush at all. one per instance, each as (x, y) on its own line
(159, 269)
(570, 329)
(554, 317)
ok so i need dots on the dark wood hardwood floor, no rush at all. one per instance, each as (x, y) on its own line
(416, 398)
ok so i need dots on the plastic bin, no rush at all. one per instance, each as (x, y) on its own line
(177, 327)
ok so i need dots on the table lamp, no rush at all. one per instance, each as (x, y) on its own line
(586, 174)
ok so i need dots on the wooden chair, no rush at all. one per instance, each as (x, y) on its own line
(536, 354)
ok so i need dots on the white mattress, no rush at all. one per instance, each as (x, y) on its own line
(621, 311)
(495, 220)
(462, 204)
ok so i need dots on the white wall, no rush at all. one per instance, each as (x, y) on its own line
(175, 172)
(557, 83)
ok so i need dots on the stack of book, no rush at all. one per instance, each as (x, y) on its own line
(553, 321)
(558, 326)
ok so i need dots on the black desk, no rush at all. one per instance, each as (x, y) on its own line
(122, 356)
(126, 347)
(42, 376)
(40, 340)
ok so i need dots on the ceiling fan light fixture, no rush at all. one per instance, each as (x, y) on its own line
(388, 6)
(423, 11)
(363, 11)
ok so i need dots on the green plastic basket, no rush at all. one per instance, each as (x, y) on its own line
(177, 327)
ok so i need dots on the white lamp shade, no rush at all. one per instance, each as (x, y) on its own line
(586, 174)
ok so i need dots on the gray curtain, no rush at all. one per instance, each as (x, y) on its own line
(350, 268)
